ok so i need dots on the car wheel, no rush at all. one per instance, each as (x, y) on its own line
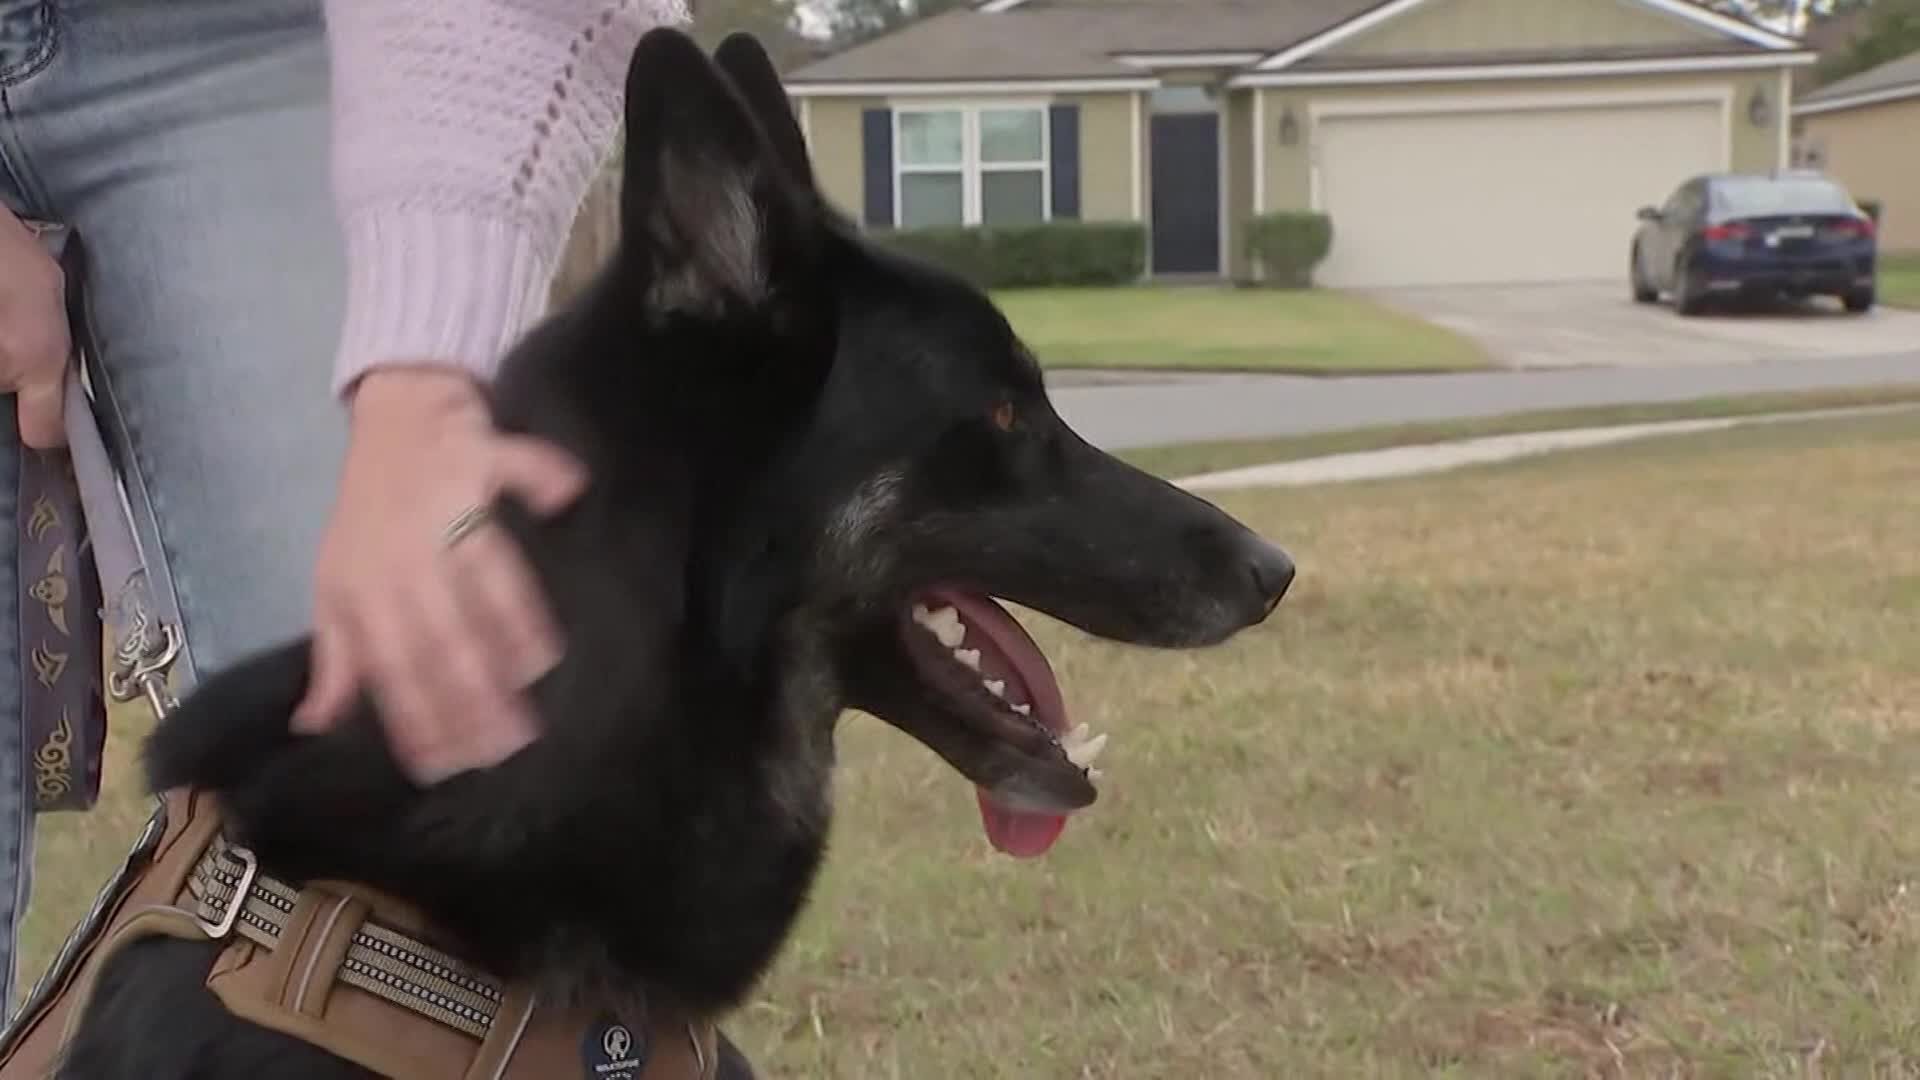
(1643, 293)
(1689, 295)
(1859, 301)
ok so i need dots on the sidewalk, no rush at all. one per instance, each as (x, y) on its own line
(1124, 415)
(1442, 456)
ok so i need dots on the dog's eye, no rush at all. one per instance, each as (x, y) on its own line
(1003, 416)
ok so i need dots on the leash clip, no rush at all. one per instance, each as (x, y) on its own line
(144, 670)
(249, 868)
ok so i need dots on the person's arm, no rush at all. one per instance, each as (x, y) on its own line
(466, 133)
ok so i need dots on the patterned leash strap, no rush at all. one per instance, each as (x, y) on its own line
(102, 521)
(84, 529)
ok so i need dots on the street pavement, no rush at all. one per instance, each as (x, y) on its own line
(1118, 411)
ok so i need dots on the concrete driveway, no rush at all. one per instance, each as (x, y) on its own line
(1598, 325)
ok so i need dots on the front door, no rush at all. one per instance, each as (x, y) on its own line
(1186, 193)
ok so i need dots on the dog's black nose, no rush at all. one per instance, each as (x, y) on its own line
(1272, 572)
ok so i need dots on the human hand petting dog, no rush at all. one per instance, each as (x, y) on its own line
(418, 598)
(34, 339)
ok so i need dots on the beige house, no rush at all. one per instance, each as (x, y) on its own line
(1864, 131)
(1450, 141)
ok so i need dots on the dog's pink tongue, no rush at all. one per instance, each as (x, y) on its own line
(1007, 650)
(1018, 833)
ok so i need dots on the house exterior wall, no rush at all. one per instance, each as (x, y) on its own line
(1873, 151)
(1239, 204)
(1485, 25)
(832, 126)
(1107, 147)
(1288, 183)
(1289, 179)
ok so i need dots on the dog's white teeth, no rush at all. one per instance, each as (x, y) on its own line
(1079, 734)
(996, 687)
(1083, 753)
(969, 657)
(943, 623)
(1094, 774)
(1023, 709)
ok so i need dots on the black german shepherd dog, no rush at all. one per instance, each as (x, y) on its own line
(813, 465)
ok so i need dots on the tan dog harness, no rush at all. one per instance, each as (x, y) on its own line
(339, 966)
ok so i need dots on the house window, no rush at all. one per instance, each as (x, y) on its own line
(971, 166)
(932, 168)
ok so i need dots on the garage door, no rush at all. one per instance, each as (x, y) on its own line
(1531, 195)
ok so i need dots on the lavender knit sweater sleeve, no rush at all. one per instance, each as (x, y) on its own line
(465, 135)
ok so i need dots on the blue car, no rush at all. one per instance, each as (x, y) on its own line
(1792, 234)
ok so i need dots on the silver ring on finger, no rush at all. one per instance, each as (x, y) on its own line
(465, 524)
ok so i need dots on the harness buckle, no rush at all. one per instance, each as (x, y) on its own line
(249, 868)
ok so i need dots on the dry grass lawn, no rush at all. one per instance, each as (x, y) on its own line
(1586, 766)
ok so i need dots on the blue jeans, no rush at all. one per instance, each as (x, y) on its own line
(185, 141)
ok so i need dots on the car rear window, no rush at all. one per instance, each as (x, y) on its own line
(1759, 195)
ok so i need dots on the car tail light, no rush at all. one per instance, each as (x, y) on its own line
(1732, 230)
(1856, 227)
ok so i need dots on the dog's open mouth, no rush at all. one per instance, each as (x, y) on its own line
(987, 666)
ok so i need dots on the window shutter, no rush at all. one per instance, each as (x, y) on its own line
(1064, 123)
(876, 151)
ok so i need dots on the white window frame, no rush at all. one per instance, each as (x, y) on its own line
(970, 167)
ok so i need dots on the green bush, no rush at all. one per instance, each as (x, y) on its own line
(963, 251)
(1871, 208)
(1289, 245)
(1024, 256)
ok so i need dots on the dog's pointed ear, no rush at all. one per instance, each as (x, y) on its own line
(709, 216)
(742, 58)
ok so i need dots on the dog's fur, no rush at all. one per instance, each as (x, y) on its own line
(790, 433)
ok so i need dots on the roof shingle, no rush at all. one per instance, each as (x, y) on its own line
(1076, 38)
(1891, 76)
(1470, 58)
